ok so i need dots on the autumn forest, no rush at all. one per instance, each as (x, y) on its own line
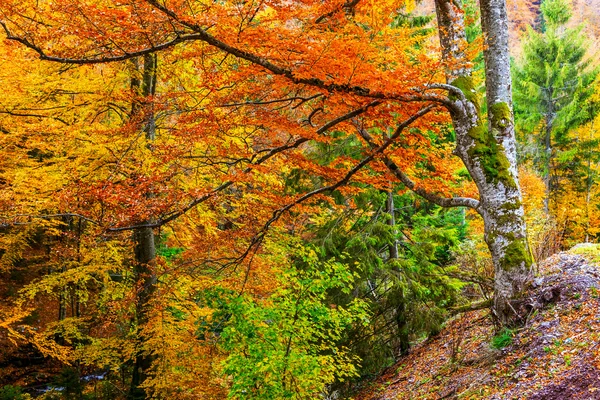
(280, 199)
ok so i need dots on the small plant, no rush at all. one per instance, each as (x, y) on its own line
(554, 348)
(547, 349)
(503, 338)
(10, 392)
(519, 361)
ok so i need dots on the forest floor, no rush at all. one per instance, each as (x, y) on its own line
(555, 355)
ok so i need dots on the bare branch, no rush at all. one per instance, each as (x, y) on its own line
(98, 59)
(267, 102)
(450, 88)
(25, 114)
(6, 221)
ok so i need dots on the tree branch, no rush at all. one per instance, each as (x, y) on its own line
(257, 239)
(434, 198)
(5, 220)
(98, 60)
(478, 305)
(200, 34)
(346, 7)
(259, 161)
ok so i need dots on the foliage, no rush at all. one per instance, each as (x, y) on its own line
(407, 293)
(287, 346)
(554, 87)
(70, 382)
(273, 273)
(503, 338)
(10, 392)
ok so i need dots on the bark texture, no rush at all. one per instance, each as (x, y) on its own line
(502, 208)
(488, 150)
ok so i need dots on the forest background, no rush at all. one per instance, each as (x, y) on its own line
(179, 224)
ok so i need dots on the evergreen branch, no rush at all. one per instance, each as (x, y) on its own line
(257, 239)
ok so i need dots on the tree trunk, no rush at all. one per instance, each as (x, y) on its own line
(502, 209)
(400, 311)
(144, 239)
(588, 187)
(145, 277)
(489, 150)
(549, 116)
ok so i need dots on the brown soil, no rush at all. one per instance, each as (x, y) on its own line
(555, 355)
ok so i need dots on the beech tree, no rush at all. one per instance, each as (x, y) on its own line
(295, 70)
(489, 152)
(145, 241)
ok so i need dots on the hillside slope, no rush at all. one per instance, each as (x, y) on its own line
(556, 355)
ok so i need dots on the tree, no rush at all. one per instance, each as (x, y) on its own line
(553, 86)
(489, 153)
(338, 68)
(279, 359)
(258, 104)
(144, 238)
(399, 252)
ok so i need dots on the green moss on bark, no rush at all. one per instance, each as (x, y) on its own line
(515, 254)
(490, 154)
(467, 86)
(488, 151)
(509, 206)
(517, 251)
(499, 115)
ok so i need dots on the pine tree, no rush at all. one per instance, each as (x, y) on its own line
(553, 86)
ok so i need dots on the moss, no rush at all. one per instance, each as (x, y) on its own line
(491, 155)
(591, 251)
(488, 151)
(510, 206)
(478, 133)
(499, 115)
(506, 218)
(491, 237)
(515, 253)
(467, 85)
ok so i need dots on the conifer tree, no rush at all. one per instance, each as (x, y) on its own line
(553, 85)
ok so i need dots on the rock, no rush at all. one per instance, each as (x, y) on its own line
(548, 338)
(537, 282)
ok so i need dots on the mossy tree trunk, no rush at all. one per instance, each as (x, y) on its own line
(488, 150)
